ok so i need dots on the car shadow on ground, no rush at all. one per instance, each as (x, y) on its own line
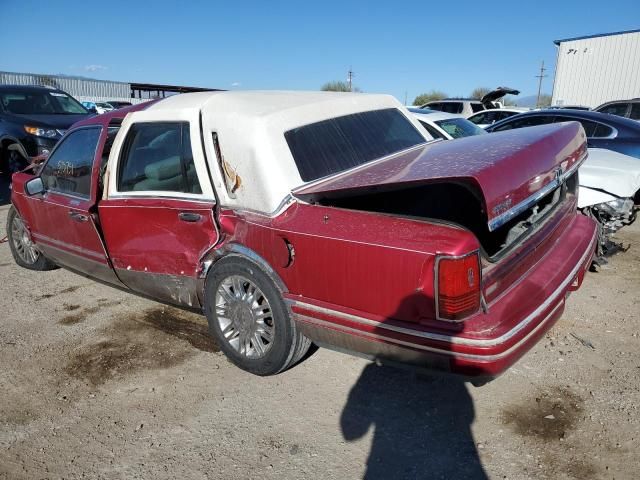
(5, 191)
(421, 423)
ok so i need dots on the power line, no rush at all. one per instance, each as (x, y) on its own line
(350, 76)
(540, 77)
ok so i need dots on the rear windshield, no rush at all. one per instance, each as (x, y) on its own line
(337, 144)
(460, 127)
(40, 103)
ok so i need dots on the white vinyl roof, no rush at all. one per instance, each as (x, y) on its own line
(250, 126)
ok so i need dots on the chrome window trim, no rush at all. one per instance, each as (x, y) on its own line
(436, 283)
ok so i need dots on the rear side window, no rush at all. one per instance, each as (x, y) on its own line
(337, 144)
(157, 157)
(432, 131)
(635, 111)
(476, 107)
(68, 169)
(480, 119)
(448, 107)
(591, 129)
(619, 109)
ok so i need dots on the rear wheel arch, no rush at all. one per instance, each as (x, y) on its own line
(287, 346)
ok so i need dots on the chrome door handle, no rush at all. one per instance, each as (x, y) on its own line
(189, 217)
(78, 217)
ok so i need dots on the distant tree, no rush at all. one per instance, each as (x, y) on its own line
(479, 92)
(545, 100)
(429, 97)
(338, 86)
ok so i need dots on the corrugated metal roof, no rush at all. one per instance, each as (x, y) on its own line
(558, 42)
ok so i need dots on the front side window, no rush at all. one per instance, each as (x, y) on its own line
(157, 157)
(68, 169)
(529, 121)
(334, 145)
(635, 111)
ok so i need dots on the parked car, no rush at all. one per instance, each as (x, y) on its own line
(622, 108)
(609, 192)
(90, 106)
(489, 117)
(292, 217)
(603, 131)
(444, 125)
(119, 104)
(468, 106)
(32, 120)
(568, 107)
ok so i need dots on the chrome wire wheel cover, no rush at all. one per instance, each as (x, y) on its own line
(22, 243)
(244, 316)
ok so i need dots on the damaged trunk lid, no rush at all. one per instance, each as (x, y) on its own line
(507, 172)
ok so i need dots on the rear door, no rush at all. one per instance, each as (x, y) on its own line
(158, 219)
(64, 225)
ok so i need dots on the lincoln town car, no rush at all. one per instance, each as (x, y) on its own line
(292, 218)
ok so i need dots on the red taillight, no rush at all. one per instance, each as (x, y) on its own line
(458, 286)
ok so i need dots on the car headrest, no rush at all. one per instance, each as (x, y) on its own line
(164, 169)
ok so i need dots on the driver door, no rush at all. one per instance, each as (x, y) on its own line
(63, 221)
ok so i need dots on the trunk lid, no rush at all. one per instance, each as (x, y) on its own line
(494, 95)
(511, 170)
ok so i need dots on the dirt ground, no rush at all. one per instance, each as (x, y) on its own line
(96, 383)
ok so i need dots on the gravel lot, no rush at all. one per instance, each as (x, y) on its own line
(96, 383)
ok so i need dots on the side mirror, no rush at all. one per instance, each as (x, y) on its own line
(34, 186)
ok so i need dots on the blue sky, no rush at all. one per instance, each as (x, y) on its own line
(393, 47)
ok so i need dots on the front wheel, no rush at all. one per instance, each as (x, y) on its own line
(249, 319)
(24, 252)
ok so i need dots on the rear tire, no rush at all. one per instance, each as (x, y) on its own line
(249, 319)
(24, 252)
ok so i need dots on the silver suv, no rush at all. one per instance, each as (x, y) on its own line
(468, 106)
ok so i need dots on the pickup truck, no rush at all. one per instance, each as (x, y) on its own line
(291, 217)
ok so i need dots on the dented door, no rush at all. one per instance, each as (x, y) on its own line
(155, 244)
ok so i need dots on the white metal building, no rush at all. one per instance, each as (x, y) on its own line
(595, 69)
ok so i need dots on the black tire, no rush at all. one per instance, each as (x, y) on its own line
(287, 346)
(15, 162)
(36, 261)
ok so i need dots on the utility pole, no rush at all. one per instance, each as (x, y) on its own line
(540, 77)
(350, 79)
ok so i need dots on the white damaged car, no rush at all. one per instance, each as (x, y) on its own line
(609, 193)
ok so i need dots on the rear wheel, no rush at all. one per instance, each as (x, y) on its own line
(24, 252)
(249, 319)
